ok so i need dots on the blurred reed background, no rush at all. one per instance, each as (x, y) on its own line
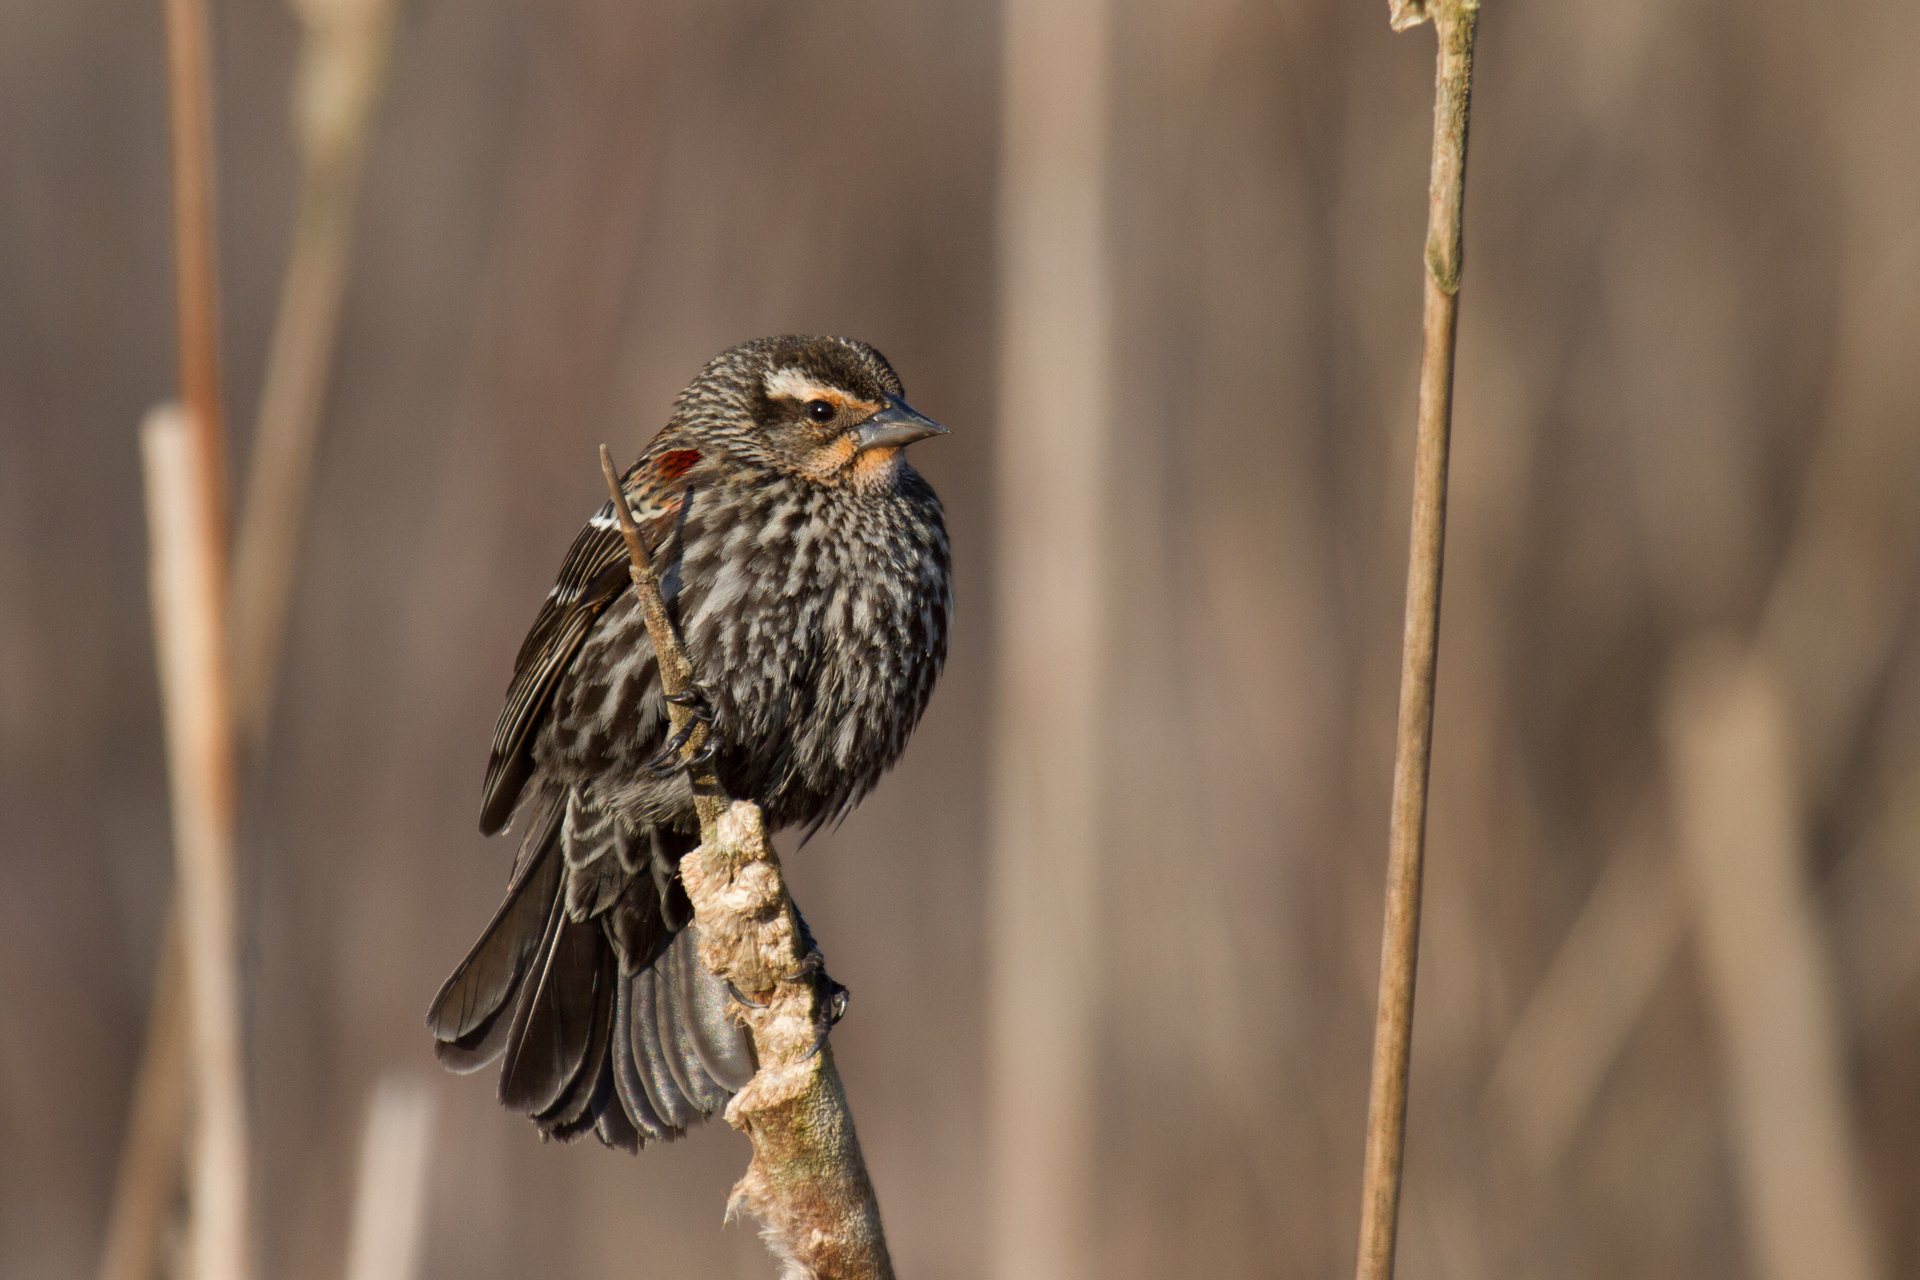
(1669, 1020)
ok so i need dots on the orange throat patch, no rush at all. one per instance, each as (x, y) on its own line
(875, 468)
(840, 465)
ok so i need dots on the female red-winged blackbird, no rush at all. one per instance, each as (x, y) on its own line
(806, 565)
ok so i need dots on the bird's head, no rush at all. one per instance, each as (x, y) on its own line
(829, 410)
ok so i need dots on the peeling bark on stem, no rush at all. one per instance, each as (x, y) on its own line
(808, 1183)
(1454, 22)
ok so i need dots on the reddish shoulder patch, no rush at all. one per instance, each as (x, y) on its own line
(676, 463)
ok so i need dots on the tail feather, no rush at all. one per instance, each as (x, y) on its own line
(635, 1094)
(676, 1040)
(669, 1101)
(608, 1022)
(717, 1042)
(465, 1016)
(610, 1121)
(547, 1050)
(572, 1113)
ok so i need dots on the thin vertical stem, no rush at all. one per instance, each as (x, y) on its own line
(1454, 22)
(151, 1161)
(343, 70)
(187, 507)
(676, 669)
(195, 275)
(190, 638)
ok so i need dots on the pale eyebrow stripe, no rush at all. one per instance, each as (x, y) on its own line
(796, 385)
(790, 383)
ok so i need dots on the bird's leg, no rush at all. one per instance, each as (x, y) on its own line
(834, 999)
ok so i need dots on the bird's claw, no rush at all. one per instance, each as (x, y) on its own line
(667, 762)
(834, 999)
(830, 1004)
(693, 700)
(829, 1007)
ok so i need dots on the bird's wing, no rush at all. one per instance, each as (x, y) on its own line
(595, 573)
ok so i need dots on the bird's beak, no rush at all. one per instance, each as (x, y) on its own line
(893, 426)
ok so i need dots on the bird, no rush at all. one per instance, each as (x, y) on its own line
(806, 566)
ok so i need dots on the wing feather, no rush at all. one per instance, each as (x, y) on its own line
(594, 575)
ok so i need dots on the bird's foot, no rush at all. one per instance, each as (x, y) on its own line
(830, 997)
(668, 760)
(829, 1005)
(828, 1009)
(744, 1000)
(830, 1002)
(693, 699)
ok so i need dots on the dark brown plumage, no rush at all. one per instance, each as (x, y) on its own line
(806, 565)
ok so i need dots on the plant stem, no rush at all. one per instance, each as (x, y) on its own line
(346, 48)
(190, 638)
(343, 69)
(196, 286)
(808, 1181)
(151, 1160)
(1454, 22)
(676, 669)
(187, 507)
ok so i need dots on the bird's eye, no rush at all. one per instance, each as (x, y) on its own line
(821, 410)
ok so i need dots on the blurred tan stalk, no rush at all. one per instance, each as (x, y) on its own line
(389, 1206)
(807, 1183)
(1453, 23)
(184, 449)
(196, 275)
(148, 1183)
(190, 636)
(343, 66)
(1768, 967)
(1594, 993)
(1828, 630)
(1598, 984)
(1044, 993)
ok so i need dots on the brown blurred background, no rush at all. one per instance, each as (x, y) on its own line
(1689, 386)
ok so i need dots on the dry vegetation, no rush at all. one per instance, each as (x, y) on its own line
(1681, 554)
